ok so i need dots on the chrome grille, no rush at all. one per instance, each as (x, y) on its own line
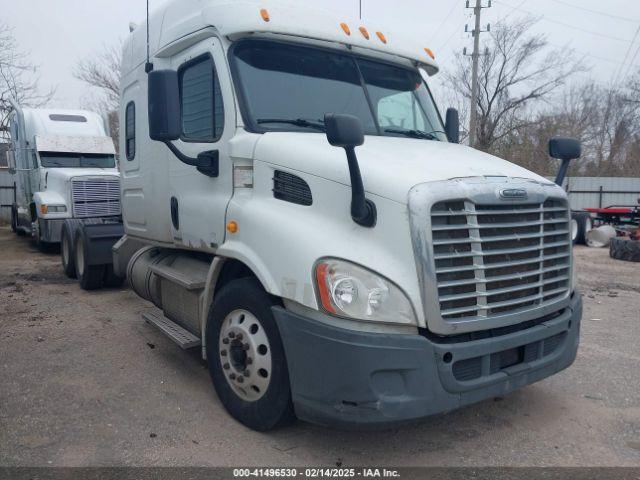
(492, 260)
(96, 197)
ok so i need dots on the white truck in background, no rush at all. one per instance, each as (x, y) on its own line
(410, 278)
(64, 165)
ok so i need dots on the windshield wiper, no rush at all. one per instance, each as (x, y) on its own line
(413, 133)
(298, 122)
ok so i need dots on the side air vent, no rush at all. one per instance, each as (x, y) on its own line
(291, 188)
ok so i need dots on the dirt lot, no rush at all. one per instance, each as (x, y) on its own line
(85, 382)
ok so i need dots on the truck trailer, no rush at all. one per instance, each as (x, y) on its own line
(64, 167)
(294, 205)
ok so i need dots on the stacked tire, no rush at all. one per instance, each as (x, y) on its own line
(625, 249)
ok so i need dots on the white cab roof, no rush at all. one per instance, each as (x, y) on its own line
(234, 19)
(56, 121)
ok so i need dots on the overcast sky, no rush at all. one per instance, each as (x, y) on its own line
(58, 33)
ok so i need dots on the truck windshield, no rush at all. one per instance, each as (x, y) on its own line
(76, 160)
(290, 88)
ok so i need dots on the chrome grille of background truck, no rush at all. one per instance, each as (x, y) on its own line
(486, 260)
(96, 197)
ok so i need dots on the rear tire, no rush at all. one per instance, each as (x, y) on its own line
(67, 253)
(585, 223)
(625, 249)
(90, 277)
(242, 336)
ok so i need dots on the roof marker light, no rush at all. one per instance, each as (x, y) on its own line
(364, 32)
(265, 15)
(430, 53)
(345, 28)
(381, 36)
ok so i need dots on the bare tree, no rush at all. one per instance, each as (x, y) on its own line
(102, 72)
(18, 79)
(516, 73)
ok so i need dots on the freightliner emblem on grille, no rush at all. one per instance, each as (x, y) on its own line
(513, 193)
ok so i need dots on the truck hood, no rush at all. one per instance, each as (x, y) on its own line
(61, 175)
(390, 166)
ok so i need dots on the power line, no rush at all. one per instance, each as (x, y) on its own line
(568, 25)
(597, 12)
(453, 8)
(626, 55)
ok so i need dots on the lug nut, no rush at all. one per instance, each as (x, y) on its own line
(245, 346)
(240, 379)
(232, 335)
(223, 353)
(225, 341)
(226, 366)
(239, 336)
(249, 360)
(232, 376)
(246, 373)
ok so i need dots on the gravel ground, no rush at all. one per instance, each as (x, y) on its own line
(85, 382)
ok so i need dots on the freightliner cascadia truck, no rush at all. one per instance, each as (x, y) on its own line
(295, 206)
(64, 167)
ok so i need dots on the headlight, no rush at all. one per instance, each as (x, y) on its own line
(44, 209)
(347, 290)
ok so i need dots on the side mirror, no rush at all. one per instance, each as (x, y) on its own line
(344, 130)
(452, 125)
(164, 106)
(11, 162)
(565, 149)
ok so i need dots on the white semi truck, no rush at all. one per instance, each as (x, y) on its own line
(64, 167)
(294, 205)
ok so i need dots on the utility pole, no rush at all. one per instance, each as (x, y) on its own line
(473, 124)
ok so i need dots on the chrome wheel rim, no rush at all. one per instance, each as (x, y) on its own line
(574, 229)
(588, 225)
(245, 355)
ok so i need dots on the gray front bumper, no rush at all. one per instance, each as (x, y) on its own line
(352, 379)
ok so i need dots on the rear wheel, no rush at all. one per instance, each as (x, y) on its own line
(67, 253)
(584, 223)
(90, 277)
(246, 358)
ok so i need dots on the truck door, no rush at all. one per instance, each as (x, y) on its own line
(197, 202)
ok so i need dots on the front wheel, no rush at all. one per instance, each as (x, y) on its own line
(246, 358)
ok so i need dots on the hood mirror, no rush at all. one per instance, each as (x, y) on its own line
(346, 131)
(452, 125)
(564, 149)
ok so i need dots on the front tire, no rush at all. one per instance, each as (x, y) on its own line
(246, 357)
(90, 277)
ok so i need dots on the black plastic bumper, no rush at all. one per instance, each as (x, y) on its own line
(352, 379)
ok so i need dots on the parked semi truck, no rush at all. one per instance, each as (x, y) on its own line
(295, 206)
(64, 167)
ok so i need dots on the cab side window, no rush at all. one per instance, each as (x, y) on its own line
(130, 131)
(201, 101)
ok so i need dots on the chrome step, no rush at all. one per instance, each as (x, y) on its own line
(175, 332)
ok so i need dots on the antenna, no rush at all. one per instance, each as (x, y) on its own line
(148, 67)
(360, 11)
